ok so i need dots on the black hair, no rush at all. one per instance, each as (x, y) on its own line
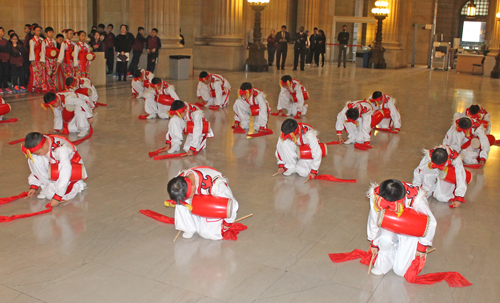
(344, 25)
(14, 35)
(50, 96)
(156, 80)
(94, 27)
(352, 113)
(246, 86)
(10, 32)
(69, 30)
(376, 94)
(27, 24)
(474, 109)
(286, 78)
(49, 29)
(36, 26)
(126, 27)
(392, 190)
(177, 104)
(439, 156)
(59, 35)
(283, 26)
(155, 30)
(177, 189)
(137, 74)
(101, 26)
(322, 32)
(69, 81)
(289, 126)
(140, 28)
(32, 139)
(112, 26)
(464, 123)
(315, 28)
(203, 74)
(80, 32)
(2, 28)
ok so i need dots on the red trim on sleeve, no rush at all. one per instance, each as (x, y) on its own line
(373, 245)
(315, 172)
(34, 187)
(57, 197)
(339, 132)
(192, 149)
(421, 248)
(459, 199)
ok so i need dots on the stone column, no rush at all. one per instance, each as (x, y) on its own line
(205, 25)
(394, 54)
(165, 16)
(494, 37)
(227, 23)
(308, 14)
(274, 16)
(61, 14)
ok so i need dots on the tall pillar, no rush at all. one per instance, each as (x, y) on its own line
(308, 14)
(394, 53)
(495, 28)
(206, 24)
(391, 23)
(165, 16)
(274, 16)
(227, 23)
(61, 14)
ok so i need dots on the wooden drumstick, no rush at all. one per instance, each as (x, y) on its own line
(430, 250)
(371, 262)
(306, 180)
(276, 174)
(177, 235)
(242, 218)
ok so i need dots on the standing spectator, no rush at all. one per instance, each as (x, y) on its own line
(26, 55)
(153, 44)
(343, 39)
(300, 49)
(123, 46)
(97, 42)
(59, 40)
(4, 64)
(320, 48)
(16, 64)
(137, 50)
(282, 38)
(312, 47)
(100, 29)
(109, 46)
(249, 38)
(271, 47)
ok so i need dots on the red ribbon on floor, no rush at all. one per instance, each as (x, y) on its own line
(100, 104)
(261, 133)
(473, 166)
(156, 152)
(143, 117)
(171, 156)
(157, 216)
(16, 141)
(332, 143)
(9, 120)
(13, 198)
(239, 130)
(200, 104)
(333, 179)
(365, 256)
(386, 130)
(233, 231)
(213, 107)
(453, 278)
(4, 219)
(91, 132)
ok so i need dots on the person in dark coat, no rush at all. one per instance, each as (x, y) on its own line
(343, 39)
(282, 38)
(123, 46)
(300, 49)
(153, 45)
(137, 50)
(271, 47)
(109, 48)
(320, 48)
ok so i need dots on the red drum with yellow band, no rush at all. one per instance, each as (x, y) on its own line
(449, 175)
(410, 223)
(90, 56)
(190, 126)
(212, 207)
(380, 115)
(304, 151)
(68, 113)
(77, 170)
(4, 109)
(165, 100)
(255, 110)
(52, 53)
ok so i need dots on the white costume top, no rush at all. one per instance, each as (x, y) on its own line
(390, 103)
(360, 129)
(459, 141)
(243, 112)
(218, 87)
(78, 47)
(64, 46)
(32, 56)
(47, 42)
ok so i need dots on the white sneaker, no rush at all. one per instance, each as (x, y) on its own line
(41, 196)
(187, 235)
(83, 133)
(152, 116)
(174, 149)
(377, 272)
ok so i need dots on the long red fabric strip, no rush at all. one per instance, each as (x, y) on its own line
(333, 179)
(386, 130)
(16, 141)
(143, 117)
(360, 146)
(365, 257)
(100, 104)
(260, 134)
(60, 78)
(156, 152)
(4, 219)
(239, 130)
(233, 231)
(91, 132)
(157, 216)
(473, 166)
(13, 198)
(170, 156)
(332, 143)
(9, 121)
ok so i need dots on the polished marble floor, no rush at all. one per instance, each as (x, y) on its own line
(99, 248)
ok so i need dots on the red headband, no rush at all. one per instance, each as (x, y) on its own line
(442, 165)
(177, 112)
(189, 187)
(396, 206)
(462, 129)
(292, 136)
(203, 79)
(33, 149)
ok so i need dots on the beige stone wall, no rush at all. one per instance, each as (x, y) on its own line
(15, 14)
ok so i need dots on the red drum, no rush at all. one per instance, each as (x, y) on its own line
(84, 91)
(52, 53)
(165, 100)
(449, 175)
(76, 172)
(212, 93)
(190, 126)
(304, 151)
(90, 56)
(410, 223)
(305, 94)
(484, 123)
(4, 109)
(380, 115)
(68, 113)
(255, 109)
(491, 138)
(212, 207)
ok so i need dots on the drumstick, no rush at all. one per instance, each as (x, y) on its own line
(306, 180)
(371, 262)
(177, 235)
(276, 174)
(242, 218)
(430, 250)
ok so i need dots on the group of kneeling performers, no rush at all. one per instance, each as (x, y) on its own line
(205, 203)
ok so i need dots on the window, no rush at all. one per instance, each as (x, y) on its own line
(473, 31)
(481, 7)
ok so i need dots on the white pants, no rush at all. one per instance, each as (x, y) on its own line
(48, 190)
(285, 101)
(470, 155)
(152, 107)
(207, 228)
(205, 95)
(137, 88)
(243, 114)
(385, 123)
(176, 127)
(288, 153)
(396, 252)
(358, 134)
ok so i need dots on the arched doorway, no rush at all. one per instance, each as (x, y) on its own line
(472, 31)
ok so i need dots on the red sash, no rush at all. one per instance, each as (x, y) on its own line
(68, 53)
(38, 49)
(82, 56)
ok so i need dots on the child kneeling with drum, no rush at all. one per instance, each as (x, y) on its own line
(400, 225)
(56, 167)
(203, 202)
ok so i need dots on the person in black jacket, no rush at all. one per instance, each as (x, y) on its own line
(300, 49)
(123, 46)
(282, 38)
(109, 48)
(312, 46)
(343, 39)
(153, 45)
(137, 50)
(320, 48)
(16, 61)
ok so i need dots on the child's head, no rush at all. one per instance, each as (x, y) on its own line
(464, 123)
(1, 32)
(203, 77)
(439, 156)
(352, 114)
(36, 144)
(180, 189)
(154, 32)
(178, 108)
(51, 99)
(245, 89)
(140, 30)
(82, 36)
(376, 95)
(37, 30)
(96, 36)
(60, 38)
(94, 28)
(156, 82)
(289, 126)
(14, 38)
(123, 29)
(286, 80)
(27, 28)
(392, 190)
(69, 33)
(10, 32)
(137, 74)
(70, 81)
(100, 27)
(474, 109)
(109, 29)
(49, 31)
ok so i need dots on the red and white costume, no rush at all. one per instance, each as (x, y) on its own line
(243, 112)
(80, 61)
(66, 58)
(49, 45)
(141, 85)
(4, 108)
(429, 177)
(482, 117)
(82, 107)
(208, 182)
(286, 151)
(151, 104)
(397, 251)
(63, 153)
(85, 83)
(358, 131)
(292, 99)
(37, 65)
(389, 103)
(466, 142)
(216, 92)
(196, 141)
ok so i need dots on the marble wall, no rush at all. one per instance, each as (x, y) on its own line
(15, 14)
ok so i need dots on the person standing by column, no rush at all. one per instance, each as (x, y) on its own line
(123, 46)
(320, 48)
(300, 49)
(312, 46)
(343, 39)
(271, 47)
(26, 43)
(109, 42)
(153, 44)
(137, 49)
(282, 38)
